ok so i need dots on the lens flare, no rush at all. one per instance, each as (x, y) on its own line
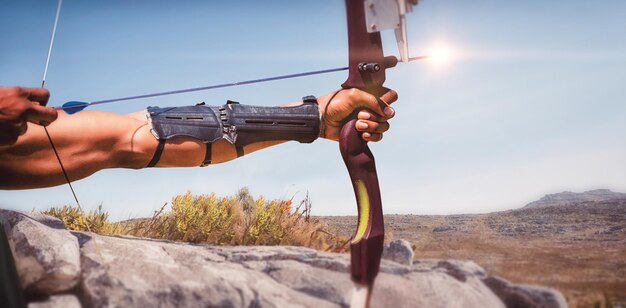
(440, 55)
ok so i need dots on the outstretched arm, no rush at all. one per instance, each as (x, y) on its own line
(90, 141)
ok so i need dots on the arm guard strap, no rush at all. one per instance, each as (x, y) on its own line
(238, 124)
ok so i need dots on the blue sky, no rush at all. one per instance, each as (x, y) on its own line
(533, 101)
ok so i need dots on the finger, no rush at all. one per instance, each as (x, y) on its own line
(389, 97)
(361, 99)
(372, 127)
(40, 115)
(374, 137)
(39, 95)
(371, 102)
(367, 115)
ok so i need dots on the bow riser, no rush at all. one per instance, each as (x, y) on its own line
(367, 66)
(363, 48)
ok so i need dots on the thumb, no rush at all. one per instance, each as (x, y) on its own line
(362, 99)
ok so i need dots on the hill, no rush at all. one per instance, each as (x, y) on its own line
(568, 198)
(577, 247)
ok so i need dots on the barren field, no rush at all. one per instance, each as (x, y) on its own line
(579, 249)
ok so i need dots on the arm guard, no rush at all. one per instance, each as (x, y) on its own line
(238, 124)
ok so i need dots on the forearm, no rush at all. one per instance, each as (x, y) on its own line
(90, 141)
(86, 142)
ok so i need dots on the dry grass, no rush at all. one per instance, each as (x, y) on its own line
(579, 250)
(96, 220)
(233, 220)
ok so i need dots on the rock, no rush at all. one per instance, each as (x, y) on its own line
(129, 271)
(57, 301)
(149, 273)
(399, 251)
(136, 272)
(429, 284)
(525, 295)
(46, 255)
(443, 229)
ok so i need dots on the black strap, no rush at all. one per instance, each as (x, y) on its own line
(207, 155)
(239, 150)
(157, 154)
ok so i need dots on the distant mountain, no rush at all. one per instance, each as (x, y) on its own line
(568, 197)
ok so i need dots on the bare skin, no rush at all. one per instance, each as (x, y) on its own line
(90, 141)
(19, 106)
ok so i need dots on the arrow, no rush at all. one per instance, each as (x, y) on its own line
(72, 107)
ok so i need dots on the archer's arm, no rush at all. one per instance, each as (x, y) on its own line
(90, 141)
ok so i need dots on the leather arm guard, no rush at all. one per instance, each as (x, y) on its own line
(238, 124)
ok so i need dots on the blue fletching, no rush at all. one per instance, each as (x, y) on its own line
(74, 107)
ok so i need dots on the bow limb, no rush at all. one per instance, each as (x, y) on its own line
(366, 72)
(366, 246)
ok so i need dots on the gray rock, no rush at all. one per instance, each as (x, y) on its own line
(148, 273)
(399, 251)
(57, 301)
(46, 255)
(438, 229)
(125, 271)
(136, 272)
(525, 295)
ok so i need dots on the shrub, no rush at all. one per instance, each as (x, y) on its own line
(94, 221)
(235, 220)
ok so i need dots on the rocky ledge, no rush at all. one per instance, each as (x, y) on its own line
(59, 268)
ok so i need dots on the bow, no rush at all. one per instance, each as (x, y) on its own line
(367, 65)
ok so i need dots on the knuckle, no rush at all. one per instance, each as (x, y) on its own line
(392, 95)
(375, 137)
(45, 96)
(353, 93)
(17, 112)
(16, 91)
(22, 109)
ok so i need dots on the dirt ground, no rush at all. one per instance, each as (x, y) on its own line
(579, 249)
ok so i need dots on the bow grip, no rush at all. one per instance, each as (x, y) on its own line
(366, 246)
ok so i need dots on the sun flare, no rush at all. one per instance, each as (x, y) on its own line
(440, 55)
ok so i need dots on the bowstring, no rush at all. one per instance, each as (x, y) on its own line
(43, 82)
